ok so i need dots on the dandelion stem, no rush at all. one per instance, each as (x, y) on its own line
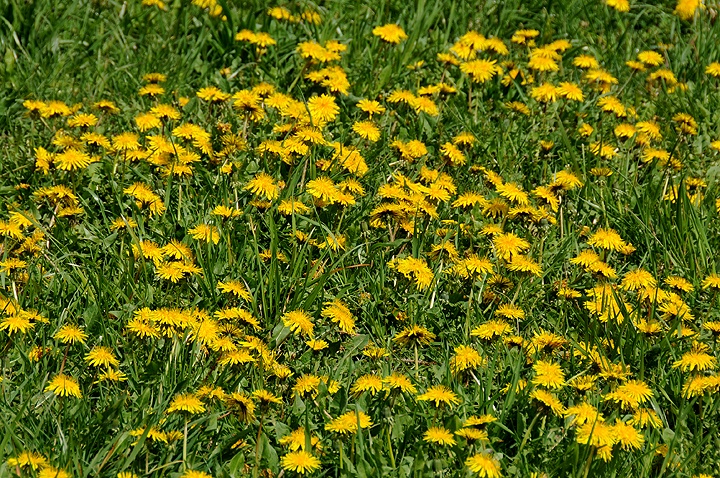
(469, 307)
(62, 365)
(528, 432)
(257, 446)
(185, 445)
(390, 450)
(341, 454)
(416, 359)
(179, 200)
(588, 463)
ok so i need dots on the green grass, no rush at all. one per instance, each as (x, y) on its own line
(85, 272)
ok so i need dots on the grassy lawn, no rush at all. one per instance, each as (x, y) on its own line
(358, 238)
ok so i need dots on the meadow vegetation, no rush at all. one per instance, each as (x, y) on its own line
(354, 238)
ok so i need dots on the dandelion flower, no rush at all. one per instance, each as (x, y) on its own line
(439, 436)
(28, 459)
(628, 436)
(54, 108)
(195, 474)
(490, 329)
(439, 395)
(390, 33)
(586, 61)
(102, 357)
(596, 434)
(188, 402)
(570, 91)
(416, 269)
(485, 465)
(236, 288)
(509, 244)
(52, 472)
(112, 375)
(348, 423)
(317, 345)
(549, 400)
(695, 360)
(518, 106)
(624, 131)
(263, 185)
(212, 94)
(545, 93)
(481, 70)
(288, 207)
(583, 413)
(548, 374)
(414, 335)
(126, 142)
(644, 417)
(16, 323)
(205, 232)
(82, 120)
(147, 121)
(63, 386)
(72, 159)
(473, 267)
(541, 63)
(520, 263)
(236, 357)
(299, 322)
(164, 111)
(172, 271)
(606, 239)
(637, 279)
(106, 106)
(338, 313)
(679, 283)
(300, 461)
(631, 394)
(372, 107)
(323, 188)
(367, 130)
(122, 223)
(367, 383)
(265, 397)
(650, 58)
(605, 151)
(465, 358)
(650, 128)
(398, 381)
(33, 106)
(713, 69)
(711, 282)
(522, 36)
(323, 108)
(241, 405)
(619, 5)
(514, 193)
(685, 9)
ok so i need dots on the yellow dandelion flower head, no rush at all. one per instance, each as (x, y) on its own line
(102, 356)
(391, 33)
(186, 402)
(439, 395)
(300, 462)
(299, 322)
(439, 436)
(64, 386)
(548, 374)
(484, 465)
(323, 109)
(685, 9)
